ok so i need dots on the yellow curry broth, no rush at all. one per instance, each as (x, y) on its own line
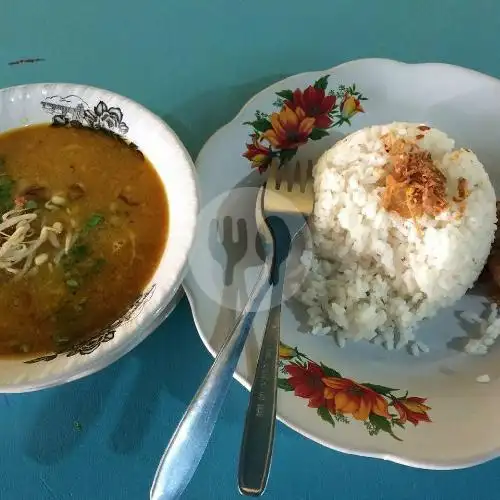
(121, 218)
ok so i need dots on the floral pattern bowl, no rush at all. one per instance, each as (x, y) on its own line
(70, 105)
(424, 409)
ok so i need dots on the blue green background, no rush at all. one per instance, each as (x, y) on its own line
(195, 64)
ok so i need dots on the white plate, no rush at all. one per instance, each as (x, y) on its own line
(456, 416)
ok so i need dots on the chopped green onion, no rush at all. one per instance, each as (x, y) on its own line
(76, 254)
(98, 265)
(6, 195)
(72, 283)
(94, 221)
(31, 205)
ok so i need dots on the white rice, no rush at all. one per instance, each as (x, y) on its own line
(488, 331)
(373, 275)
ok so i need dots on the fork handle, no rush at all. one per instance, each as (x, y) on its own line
(258, 436)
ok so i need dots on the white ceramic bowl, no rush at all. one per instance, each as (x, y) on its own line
(82, 105)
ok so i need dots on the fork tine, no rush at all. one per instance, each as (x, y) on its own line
(227, 229)
(294, 177)
(309, 187)
(302, 172)
(274, 176)
(310, 166)
(242, 236)
(297, 176)
(214, 227)
(285, 178)
(298, 191)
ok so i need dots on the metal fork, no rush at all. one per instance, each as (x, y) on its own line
(286, 200)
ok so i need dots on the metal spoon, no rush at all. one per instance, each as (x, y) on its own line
(188, 444)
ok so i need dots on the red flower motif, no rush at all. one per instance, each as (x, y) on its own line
(412, 409)
(259, 155)
(290, 128)
(315, 104)
(349, 397)
(307, 383)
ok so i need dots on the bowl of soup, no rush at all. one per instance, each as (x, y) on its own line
(98, 208)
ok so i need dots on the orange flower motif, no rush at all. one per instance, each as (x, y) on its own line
(259, 155)
(350, 106)
(353, 398)
(412, 409)
(290, 128)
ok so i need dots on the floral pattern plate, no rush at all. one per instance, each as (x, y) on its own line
(433, 410)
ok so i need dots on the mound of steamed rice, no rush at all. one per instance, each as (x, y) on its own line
(375, 274)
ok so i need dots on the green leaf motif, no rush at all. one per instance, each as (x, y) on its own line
(325, 415)
(340, 417)
(286, 155)
(318, 134)
(261, 124)
(278, 103)
(285, 94)
(372, 430)
(284, 384)
(398, 423)
(380, 389)
(300, 362)
(330, 372)
(382, 424)
(322, 83)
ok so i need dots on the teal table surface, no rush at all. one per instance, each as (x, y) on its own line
(195, 64)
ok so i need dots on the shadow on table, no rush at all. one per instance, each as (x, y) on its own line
(171, 360)
(67, 414)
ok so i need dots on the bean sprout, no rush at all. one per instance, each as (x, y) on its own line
(19, 241)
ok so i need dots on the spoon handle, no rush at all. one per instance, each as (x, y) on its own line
(188, 444)
(258, 436)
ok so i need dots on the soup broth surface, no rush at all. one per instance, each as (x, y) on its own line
(83, 226)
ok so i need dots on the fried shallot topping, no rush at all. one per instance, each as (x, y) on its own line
(462, 190)
(414, 185)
